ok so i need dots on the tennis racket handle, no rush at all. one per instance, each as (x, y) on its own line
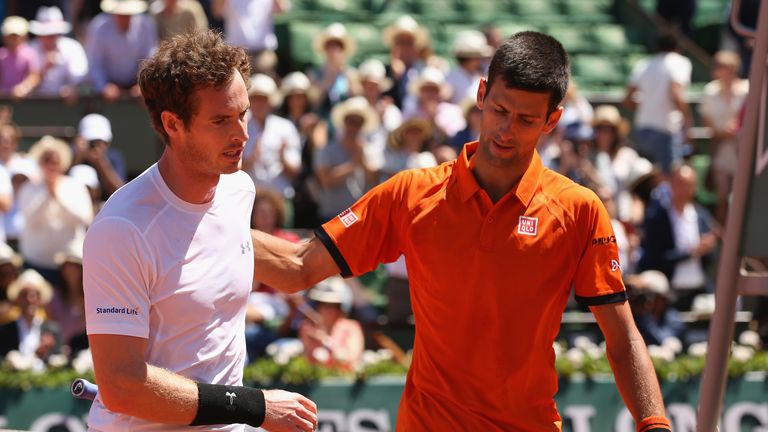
(83, 389)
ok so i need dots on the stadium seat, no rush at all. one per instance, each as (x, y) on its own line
(540, 9)
(611, 38)
(509, 28)
(587, 11)
(575, 38)
(590, 69)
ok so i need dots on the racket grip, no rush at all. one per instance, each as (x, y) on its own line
(83, 389)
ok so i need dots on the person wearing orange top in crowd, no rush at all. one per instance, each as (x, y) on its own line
(331, 338)
(493, 242)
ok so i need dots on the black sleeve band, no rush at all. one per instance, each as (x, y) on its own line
(325, 239)
(223, 404)
(618, 297)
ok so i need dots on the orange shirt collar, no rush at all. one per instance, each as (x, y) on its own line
(468, 186)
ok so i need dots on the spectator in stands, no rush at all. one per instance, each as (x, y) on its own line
(250, 24)
(64, 63)
(67, 307)
(19, 63)
(405, 39)
(679, 239)
(10, 262)
(31, 335)
(662, 115)
(333, 339)
(577, 110)
(117, 41)
(177, 16)
(334, 81)
(723, 99)
(624, 241)
(265, 304)
(9, 145)
(297, 108)
(408, 148)
(678, 13)
(375, 83)
(473, 116)
(471, 51)
(613, 158)
(348, 165)
(93, 147)
(650, 302)
(56, 210)
(272, 155)
(429, 94)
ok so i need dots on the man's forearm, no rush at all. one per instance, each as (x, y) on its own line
(636, 379)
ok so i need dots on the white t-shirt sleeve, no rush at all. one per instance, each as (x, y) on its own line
(680, 70)
(293, 149)
(116, 279)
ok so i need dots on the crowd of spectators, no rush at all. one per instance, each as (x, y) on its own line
(320, 138)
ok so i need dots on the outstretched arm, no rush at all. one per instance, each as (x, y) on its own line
(290, 267)
(632, 367)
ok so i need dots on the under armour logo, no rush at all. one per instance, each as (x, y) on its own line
(615, 265)
(245, 247)
(231, 396)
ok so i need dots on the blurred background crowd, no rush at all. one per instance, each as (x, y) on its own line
(345, 94)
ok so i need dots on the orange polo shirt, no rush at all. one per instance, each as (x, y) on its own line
(488, 283)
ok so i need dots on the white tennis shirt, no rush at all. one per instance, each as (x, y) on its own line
(177, 274)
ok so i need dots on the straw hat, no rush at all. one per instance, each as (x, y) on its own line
(335, 32)
(49, 21)
(406, 25)
(397, 136)
(264, 85)
(124, 7)
(609, 115)
(650, 281)
(471, 44)
(430, 76)
(373, 70)
(49, 143)
(357, 105)
(30, 279)
(8, 255)
(15, 25)
(295, 82)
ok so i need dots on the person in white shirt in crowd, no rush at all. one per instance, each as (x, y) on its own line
(249, 24)
(64, 63)
(272, 155)
(313, 133)
(348, 166)
(723, 100)
(577, 110)
(334, 80)
(9, 159)
(472, 52)
(656, 92)
(21, 171)
(56, 210)
(30, 335)
(375, 83)
(117, 41)
(169, 261)
(405, 39)
(173, 17)
(429, 94)
(614, 157)
(93, 147)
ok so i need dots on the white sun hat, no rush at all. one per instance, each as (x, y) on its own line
(49, 21)
(357, 105)
(338, 32)
(124, 7)
(406, 25)
(471, 44)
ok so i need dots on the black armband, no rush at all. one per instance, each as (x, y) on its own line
(223, 404)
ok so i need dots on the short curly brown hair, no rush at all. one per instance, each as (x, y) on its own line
(184, 64)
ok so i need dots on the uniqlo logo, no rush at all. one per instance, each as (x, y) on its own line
(348, 217)
(528, 225)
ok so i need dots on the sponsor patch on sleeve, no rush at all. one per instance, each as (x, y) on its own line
(348, 217)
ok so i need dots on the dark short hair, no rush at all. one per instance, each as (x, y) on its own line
(183, 64)
(532, 61)
(666, 42)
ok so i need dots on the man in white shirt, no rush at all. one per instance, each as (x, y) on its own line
(168, 263)
(249, 23)
(662, 115)
(273, 153)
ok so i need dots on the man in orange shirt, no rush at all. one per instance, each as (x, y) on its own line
(493, 242)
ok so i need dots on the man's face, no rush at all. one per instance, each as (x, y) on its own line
(513, 120)
(29, 300)
(213, 141)
(260, 107)
(8, 143)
